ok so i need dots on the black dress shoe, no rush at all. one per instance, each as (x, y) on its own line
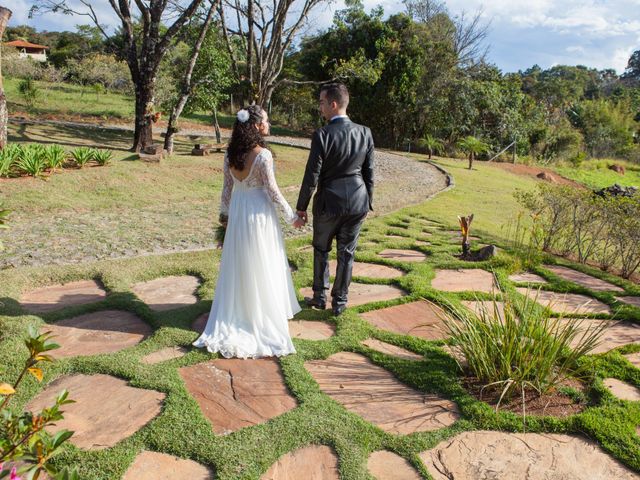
(315, 303)
(338, 310)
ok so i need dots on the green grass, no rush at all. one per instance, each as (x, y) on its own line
(595, 174)
(181, 428)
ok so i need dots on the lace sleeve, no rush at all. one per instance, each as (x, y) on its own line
(227, 188)
(265, 171)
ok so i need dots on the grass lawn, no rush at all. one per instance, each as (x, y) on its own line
(595, 174)
(181, 428)
(69, 101)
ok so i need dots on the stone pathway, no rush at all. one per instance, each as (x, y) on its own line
(400, 255)
(392, 350)
(236, 393)
(616, 334)
(472, 279)
(485, 308)
(168, 293)
(635, 301)
(527, 277)
(376, 395)
(160, 466)
(420, 319)
(622, 390)
(361, 293)
(530, 456)
(129, 409)
(316, 462)
(634, 358)
(310, 329)
(371, 270)
(167, 353)
(384, 465)
(55, 297)
(566, 302)
(582, 279)
(106, 331)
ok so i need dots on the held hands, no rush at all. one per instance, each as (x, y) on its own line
(301, 221)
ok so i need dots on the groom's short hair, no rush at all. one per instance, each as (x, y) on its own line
(336, 92)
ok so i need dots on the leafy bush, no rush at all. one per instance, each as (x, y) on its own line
(29, 91)
(524, 348)
(23, 437)
(82, 155)
(31, 160)
(102, 157)
(55, 156)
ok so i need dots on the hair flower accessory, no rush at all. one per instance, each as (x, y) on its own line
(243, 115)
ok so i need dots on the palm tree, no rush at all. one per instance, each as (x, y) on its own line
(431, 143)
(473, 146)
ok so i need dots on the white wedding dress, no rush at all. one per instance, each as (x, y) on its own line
(254, 296)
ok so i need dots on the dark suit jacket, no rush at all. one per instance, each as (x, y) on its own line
(340, 165)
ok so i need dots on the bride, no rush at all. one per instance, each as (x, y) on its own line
(254, 296)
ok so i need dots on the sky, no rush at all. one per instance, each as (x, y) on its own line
(596, 33)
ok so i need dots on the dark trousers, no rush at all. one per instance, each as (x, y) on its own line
(345, 229)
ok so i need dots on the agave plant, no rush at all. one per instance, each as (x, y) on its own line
(55, 156)
(102, 157)
(82, 155)
(31, 161)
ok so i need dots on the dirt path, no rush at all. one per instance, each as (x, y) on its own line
(533, 171)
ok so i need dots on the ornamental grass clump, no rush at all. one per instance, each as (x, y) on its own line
(8, 159)
(55, 156)
(522, 348)
(102, 157)
(31, 160)
(82, 155)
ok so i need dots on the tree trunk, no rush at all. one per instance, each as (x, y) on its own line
(5, 15)
(470, 160)
(143, 133)
(430, 152)
(216, 125)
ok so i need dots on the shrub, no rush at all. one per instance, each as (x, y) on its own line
(31, 161)
(82, 155)
(23, 437)
(102, 157)
(8, 159)
(55, 156)
(29, 91)
(524, 348)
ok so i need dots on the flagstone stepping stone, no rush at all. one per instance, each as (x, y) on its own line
(315, 462)
(54, 297)
(566, 302)
(107, 410)
(421, 243)
(485, 307)
(390, 349)
(168, 353)
(397, 237)
(235, 393)
(471, 279)
(200, 322)
(582, 279)
(361, 293)
(167, 293)
(310, 330)
(371, 270)
(97, 332)
(635, 301)
(380, 398)
(400, 255)
(385, 465)
(501, 455)
(160, 466)
(622, 390)
(634, 358)
(420, 319)
(527, 277)
(616, 334)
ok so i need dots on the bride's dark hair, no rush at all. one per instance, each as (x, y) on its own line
(245, 136)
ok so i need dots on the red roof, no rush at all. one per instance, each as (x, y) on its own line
(23, 44)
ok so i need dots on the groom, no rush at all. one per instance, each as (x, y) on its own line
(340, 165)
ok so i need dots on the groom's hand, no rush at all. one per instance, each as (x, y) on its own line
(299, 222)
(303, 215)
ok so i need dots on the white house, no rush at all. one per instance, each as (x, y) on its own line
(27, 49)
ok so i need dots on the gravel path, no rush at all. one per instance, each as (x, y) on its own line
(76, 237)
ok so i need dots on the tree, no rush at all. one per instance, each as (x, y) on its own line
(257, 36)
(473, 146)
(633, 67)
(5, 15)
(143, 51)
(431, 143)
